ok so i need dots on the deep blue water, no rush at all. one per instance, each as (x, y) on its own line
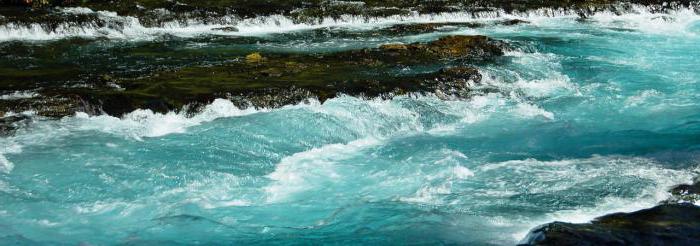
(590, 117)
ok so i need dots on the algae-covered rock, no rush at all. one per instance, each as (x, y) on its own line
(466, 47)
(272, 80)
(393, 47)
(458, 47)
(254, 57)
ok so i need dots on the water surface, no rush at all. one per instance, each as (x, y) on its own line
(587, 118)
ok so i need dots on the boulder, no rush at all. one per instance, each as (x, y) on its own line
(668, 224)
(675, 222)
(226, 29)
(685, 193)
(254, 58)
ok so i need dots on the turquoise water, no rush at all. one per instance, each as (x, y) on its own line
(581, 119)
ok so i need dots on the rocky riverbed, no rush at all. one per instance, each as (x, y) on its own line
(62, 61)
(66, 84)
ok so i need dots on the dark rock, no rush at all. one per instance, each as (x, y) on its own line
(280, 79)
(8, 124)
(479, 47)
(417, 28)
(55, 106)
(675, 222)
(452, 82)
(685, 193)
(227, 29)
(272, 80)
(450, 47)
(669, 224)
(513, 22)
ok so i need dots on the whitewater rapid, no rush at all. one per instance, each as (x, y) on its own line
(114, 26)
(581, 119)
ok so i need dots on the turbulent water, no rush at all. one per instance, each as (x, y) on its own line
(584, 118)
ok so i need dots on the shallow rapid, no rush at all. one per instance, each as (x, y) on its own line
(583, 118)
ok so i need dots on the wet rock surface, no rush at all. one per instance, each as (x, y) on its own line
(267, 79)
(9, 124)
(685, 193)
(273, 80)
(675, 221)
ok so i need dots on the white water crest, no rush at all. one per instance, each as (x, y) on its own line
(146, 123)
(19, 95)
(130, 28)
(358, 114)
(8, 147)
(569, 173)
(311, 168)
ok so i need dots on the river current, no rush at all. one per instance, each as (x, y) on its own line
(583, 118)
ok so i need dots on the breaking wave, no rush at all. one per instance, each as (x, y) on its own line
(112, 26)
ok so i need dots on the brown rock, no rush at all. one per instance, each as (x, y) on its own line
(391, 47)
(254, 58)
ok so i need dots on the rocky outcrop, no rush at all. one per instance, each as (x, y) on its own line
(685, 193)
(675, 222)
(267, 79)
(273, 80)
(8, 124)
(48, 105)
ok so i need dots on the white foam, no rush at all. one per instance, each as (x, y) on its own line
(431, 181)
(547, 81)
(146, 123)
(674, 23)
(212, 191)
(529, 111)
(130, 28)
(8, 147)
(305, 170)
(641, 98)
(545, 87)
(77, 10)
(19, 95)
(565, 174)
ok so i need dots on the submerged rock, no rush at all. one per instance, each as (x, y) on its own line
(253, 58)
(675, 222)
(8, 124)
(685, 193)
(227, 29)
